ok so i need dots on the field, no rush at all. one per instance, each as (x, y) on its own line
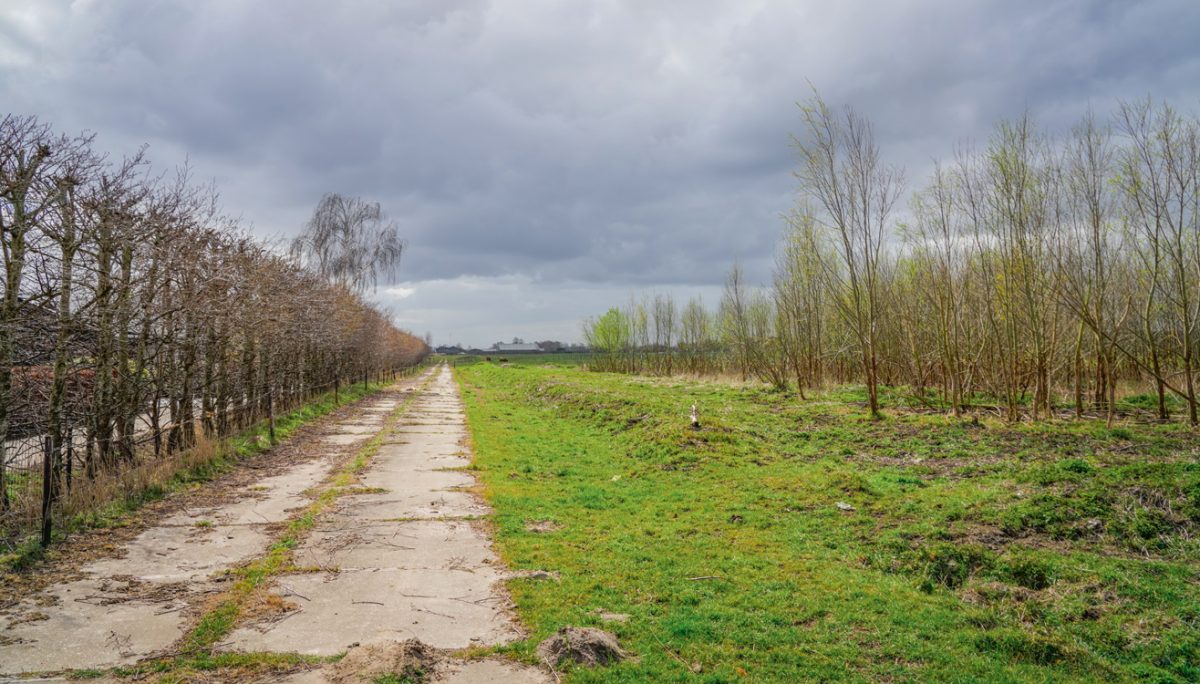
(789, 540)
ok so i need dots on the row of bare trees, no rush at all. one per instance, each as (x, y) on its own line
(1036, 272)
(137, 319)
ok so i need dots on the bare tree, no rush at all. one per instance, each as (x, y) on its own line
(350, 241)
(853, 193)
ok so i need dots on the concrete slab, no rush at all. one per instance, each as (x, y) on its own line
(425, 442)
(183, 554)
(91, 623)
(423, 544)
(357, 429)
(344, 439)
(413, 462)
(413, 480)
(414, 505)
(268, 500)
(407, 432)
(442, 608)
(489, 672)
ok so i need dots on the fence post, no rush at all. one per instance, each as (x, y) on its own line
(47, 489)
(271, 414)
(70, 455)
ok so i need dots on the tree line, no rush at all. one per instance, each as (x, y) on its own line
(1033, 272)
(137, 318)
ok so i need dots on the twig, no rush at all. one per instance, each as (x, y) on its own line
(432, 612)
(293, 592)
(672, 653)
(377, 603)
(704, 577)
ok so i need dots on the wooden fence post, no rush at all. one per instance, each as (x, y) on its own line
(271, 414)
(47, 489)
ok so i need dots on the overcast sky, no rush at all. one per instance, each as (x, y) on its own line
(547, 159)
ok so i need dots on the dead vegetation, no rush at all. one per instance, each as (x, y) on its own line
(581, 645)
(405, 661)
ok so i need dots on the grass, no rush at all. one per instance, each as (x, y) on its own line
(1057, 551)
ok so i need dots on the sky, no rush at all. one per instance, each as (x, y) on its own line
(546, 160)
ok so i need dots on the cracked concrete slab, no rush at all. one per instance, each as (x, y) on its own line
(442, 608)
(268, 500)
(178, 554)
(429, 545)
(397, 480)
(437, 504)
(90, 623)
(344, 438)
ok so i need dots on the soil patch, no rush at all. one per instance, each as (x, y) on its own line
(408, 661)
(542, 526)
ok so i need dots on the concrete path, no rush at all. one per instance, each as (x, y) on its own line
(407, 558)
(411, 559)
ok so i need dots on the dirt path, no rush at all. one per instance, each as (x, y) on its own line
(405, 559)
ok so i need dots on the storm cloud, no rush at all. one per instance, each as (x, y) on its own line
(545, 159)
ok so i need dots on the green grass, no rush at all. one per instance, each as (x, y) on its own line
(1058, 551)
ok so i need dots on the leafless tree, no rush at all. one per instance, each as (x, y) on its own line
(350, 241)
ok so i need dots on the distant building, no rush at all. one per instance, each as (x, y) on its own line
(449, 349)
(523, 348)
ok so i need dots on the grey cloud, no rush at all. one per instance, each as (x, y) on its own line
(538, 143)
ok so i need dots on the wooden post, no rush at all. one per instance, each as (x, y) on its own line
(47, 489)
(70, 454)
(271, 414)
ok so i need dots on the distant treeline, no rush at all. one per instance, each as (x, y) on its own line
(137, 318)
(1035, 269)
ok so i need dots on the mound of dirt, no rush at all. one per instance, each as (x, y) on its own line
(408, 660)
(583, 645)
